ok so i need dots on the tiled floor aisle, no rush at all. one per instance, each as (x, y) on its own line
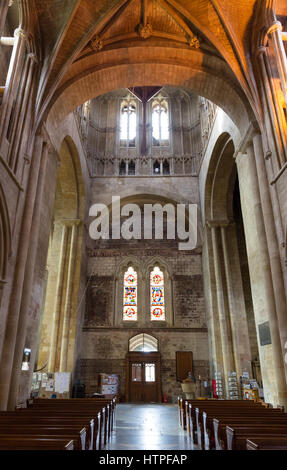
(148, 427)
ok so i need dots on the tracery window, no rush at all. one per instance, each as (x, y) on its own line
(122, 168)
(130, 295)
(160, 123)
(156, 168)
(132, 168)
(128, 124)
(157, 300)
(166, 169)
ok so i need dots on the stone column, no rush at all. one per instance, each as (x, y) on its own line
(4, 5)
(274, 33)
(69, 292)
(271, 359)
(211, 303)
(238, 320)
(19, 273)
(23, 101)
(275, 124)
(58, 357)
(28, 284)
(58, 299)
(13, 76)
(227, 353)
(269, 223)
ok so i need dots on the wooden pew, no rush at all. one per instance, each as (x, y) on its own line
(70, 432)
(237, 434)
(192, 419)
(83, 402)
(84, 424)
(205, 413)
(213, 416)
(49, 420)
(85, 406)
(267, 443)
(220, 425)
(99, 430)
(34, 443)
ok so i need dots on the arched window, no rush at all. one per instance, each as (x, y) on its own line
(156, 168)
(166, 170)
(132, 168)
(160, 123)
(130, 295)
(157, 300)
(128, 124)
(143, 343)
(122, 169)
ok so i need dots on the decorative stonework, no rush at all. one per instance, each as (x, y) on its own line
(145, 31)
(97, 44)
(193, 42)
(142, 254)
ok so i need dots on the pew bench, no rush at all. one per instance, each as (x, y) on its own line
(236, 435)
(220, 425)
(34, 443)
(71, 432)
(267, 443)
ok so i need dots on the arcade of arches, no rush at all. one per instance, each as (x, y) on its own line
(157, 102)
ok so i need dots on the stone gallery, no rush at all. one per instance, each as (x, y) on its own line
(143, 200)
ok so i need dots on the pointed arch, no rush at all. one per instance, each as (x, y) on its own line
(5, 235)
(143, 342)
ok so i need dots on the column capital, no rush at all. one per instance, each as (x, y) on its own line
(68, 222)
(33, 57)
(276, 26)
(261, 50)
(20, 32)
(2, 283)
(247, 139)
(218, 223)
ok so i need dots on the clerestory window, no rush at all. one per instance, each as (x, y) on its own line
(128, 124)
(160, 123)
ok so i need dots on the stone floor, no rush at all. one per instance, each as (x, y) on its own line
(148, 427)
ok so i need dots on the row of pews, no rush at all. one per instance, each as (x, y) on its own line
(58, 424)
(233, 424)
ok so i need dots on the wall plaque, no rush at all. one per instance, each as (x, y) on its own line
(264, 333)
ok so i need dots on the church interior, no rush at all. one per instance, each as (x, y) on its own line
(116, 108)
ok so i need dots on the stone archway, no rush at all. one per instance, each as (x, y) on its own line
(232, 239)
(58, 329)
(231, 323)
(5, 239)
(187, 73)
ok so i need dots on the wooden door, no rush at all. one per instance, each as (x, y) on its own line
(143, 378)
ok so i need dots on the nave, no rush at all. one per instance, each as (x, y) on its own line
(149, 426)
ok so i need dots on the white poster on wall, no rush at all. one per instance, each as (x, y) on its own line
(62, 382)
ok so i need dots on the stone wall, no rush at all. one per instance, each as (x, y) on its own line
(105, 337)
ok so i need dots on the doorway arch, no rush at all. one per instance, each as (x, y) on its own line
(143, 370)
(143, 342)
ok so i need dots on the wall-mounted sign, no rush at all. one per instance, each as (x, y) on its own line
(264, 333)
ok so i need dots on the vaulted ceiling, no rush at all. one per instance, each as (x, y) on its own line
(90, 47)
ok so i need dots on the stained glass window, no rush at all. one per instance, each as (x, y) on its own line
(130, 295)
(157, 304)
